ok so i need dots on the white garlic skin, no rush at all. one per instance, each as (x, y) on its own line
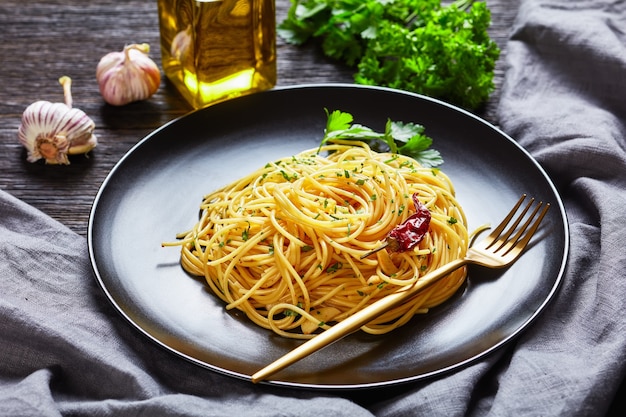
(52, 131)
(182, 47)
(128, 76)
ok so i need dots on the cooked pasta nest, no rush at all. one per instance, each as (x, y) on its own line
(284, 243)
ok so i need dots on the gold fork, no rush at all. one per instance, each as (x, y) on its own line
(499, 249)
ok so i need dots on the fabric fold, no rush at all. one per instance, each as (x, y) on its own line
(563, 100)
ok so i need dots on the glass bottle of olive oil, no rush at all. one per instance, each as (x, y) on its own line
(213, 50)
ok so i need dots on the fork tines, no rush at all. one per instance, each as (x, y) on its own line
(521, 234)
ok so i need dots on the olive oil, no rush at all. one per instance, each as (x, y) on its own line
(213, 50)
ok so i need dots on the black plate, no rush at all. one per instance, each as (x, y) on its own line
(155, 190)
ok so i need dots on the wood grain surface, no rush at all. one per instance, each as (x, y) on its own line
(43, 40)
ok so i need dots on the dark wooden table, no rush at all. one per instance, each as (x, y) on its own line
(43, 40)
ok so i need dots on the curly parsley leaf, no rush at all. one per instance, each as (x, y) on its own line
(414, 45)
(399, 137)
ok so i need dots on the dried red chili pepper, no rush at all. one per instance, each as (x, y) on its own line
(409, 234)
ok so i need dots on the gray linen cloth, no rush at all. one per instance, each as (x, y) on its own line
(65, 351)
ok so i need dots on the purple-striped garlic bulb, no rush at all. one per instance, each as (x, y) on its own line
(52, 131)
(127, 76)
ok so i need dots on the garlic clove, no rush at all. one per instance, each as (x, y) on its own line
(127, 76)
(322, 316)
(52, 131)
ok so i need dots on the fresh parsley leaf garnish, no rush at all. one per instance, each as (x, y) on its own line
(398, 138)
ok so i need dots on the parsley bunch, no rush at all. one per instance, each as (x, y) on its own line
(414, 45)
(398, 138)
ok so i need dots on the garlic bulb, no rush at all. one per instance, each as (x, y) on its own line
(127, 76)
(54, 130)
(181, 47)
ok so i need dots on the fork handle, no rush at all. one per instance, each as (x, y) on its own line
(356, 321)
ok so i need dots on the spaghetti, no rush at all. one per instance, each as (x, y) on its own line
(284, 244)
